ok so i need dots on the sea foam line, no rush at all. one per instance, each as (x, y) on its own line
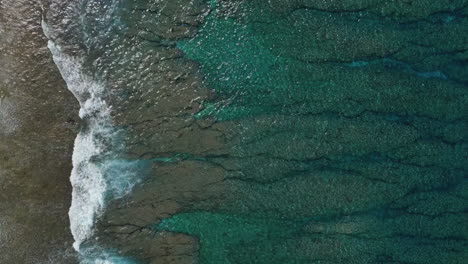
(87, 176)
(98, 174)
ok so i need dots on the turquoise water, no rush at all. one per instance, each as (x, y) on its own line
(250, 59)
(283, 131)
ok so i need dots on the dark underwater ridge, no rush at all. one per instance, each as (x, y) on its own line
(268, 132)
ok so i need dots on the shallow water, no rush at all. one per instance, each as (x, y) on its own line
(266, 131)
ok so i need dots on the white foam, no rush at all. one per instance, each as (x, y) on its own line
(9, 123)
(87, 177)
(108, 259)
(98, 173)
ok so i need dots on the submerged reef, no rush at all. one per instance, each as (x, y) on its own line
(285, 131)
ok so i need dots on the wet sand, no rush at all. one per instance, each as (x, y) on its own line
(38, 123)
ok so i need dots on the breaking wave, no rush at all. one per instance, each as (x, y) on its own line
(98, 174)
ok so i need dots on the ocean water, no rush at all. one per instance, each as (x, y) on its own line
(38, 123)
(250, 131)
(98, 173)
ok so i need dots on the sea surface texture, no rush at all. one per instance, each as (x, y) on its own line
(266, 131)
(38, 123)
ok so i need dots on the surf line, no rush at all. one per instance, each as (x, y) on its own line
(98, 174)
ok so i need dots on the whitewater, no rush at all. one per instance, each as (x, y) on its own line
(98, 175)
